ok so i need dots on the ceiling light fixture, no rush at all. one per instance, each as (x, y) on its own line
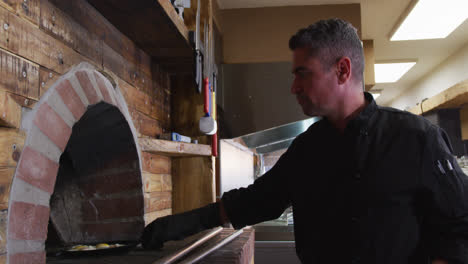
(391, 72)
(430, 19)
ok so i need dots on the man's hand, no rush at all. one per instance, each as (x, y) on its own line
(155, 234)
(439, 261)
(179, 226)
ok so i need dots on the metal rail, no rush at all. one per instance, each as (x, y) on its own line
(203, 254)
(171, 258)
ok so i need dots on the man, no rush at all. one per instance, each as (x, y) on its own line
(367, 184)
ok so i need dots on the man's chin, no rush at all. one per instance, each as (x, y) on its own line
(310, 113)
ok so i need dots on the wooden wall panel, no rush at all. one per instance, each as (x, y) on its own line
(155, 164)
(156, 182)
(23, 101)
(29, 9)
(63, 27)
(10, 111)
(145, 125)
(45, 39)
(46, 79)
(11, 144)
(193, 183)
(22, 38)
(18, 75)
(151, 216)
(118, 64)
(189, 110)
(135, 97)
(6, 176)
(87, 16)
(3, 234)
(157, 201)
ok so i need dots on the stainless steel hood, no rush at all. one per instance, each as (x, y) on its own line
(276, 138)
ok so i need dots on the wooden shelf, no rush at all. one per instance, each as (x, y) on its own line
(454, 97)
(155, 27)
(174, 149)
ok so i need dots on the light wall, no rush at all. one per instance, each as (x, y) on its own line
(450, 72)
(253, 35)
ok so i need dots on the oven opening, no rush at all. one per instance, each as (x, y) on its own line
(98, 196)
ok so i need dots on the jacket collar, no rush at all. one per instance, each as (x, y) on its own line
(361, 121)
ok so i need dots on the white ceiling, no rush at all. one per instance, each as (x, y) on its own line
(378, 19)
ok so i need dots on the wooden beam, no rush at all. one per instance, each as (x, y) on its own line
(174, 18)
(464, 122)
(151, 25)
(369, 56)
(454, 97)
(172, 148)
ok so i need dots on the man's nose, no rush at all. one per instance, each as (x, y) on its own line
(295, 88)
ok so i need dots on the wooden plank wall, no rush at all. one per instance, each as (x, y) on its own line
(42, 39)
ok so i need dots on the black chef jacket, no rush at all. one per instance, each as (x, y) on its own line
(386, 190)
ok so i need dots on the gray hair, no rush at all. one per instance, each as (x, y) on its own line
(331, 40)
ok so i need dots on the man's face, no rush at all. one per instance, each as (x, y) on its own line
(314, 85)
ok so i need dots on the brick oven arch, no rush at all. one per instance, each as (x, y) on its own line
(49, 127)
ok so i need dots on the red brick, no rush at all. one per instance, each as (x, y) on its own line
(36, 169)
(155, 163)
(87, 86)
(71, 99)
(28, 221)
(157, 201)
(28, 258)
(102, 86)
(112, 208)
(113, 231)
(109, 184)
(52, 125)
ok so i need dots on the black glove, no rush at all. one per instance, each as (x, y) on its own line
(179, 226)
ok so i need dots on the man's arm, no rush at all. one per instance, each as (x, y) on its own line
(263, 200)
(445, 220)
(438, 261)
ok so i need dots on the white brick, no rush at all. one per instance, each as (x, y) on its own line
(24, 246)
(78, 89)
(56, 103)
(41, 143)
(22, 191)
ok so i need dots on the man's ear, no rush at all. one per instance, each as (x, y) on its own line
(343, 70)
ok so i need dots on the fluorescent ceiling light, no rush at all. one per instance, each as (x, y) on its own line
(391, 72)
(431, 19)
